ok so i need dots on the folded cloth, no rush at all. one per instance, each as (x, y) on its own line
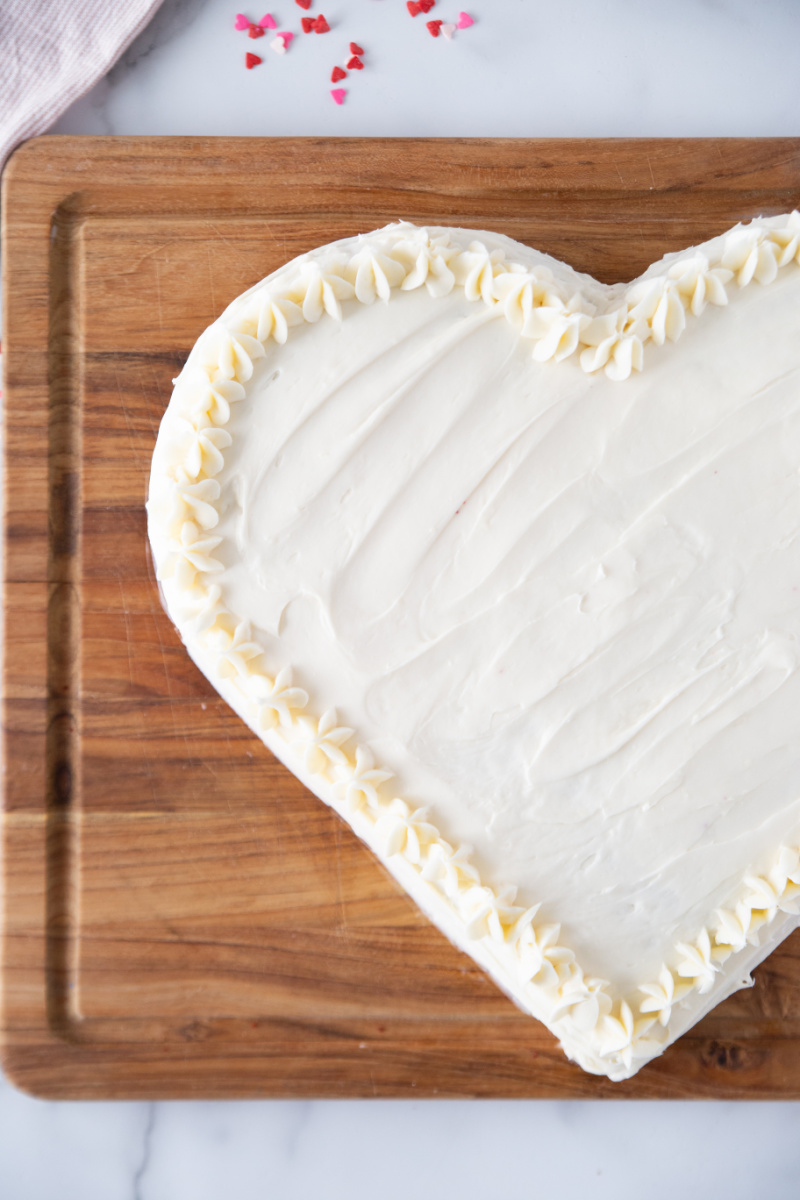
(52, 51)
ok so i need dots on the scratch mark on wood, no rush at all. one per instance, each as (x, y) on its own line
(121, 392)
(340, 900)
(158, 299)
(128, 632)
(211, 277)
(149, 253)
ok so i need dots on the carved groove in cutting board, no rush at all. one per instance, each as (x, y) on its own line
(63, 619)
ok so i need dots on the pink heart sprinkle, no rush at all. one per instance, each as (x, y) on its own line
(339, 95)
(268, 22)
(240, 21)
(278, 45)
(464, 21)
(287, 37)
(448, 31)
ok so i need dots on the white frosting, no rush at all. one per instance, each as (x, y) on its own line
(467, 588)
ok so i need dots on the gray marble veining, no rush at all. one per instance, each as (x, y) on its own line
(349, 1150)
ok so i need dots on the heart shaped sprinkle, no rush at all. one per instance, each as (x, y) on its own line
(339, 95)
(355, 64)
(255, 31)
(306, 4)
(413, 7)
(278, 45)
(448, 30)
(321, 25)
(240, 21)
(307, 24)
(464, 20)
(268, 21)
(433, 27)
(251, 60)
(337, 73)
(286, 38)
(426, 5)
(355, 48)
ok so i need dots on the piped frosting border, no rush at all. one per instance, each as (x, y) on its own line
(605, 1034)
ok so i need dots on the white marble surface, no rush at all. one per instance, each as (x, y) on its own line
(598, 68)
(393, 1150)
(720, 67)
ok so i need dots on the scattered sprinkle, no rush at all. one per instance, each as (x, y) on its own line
(240, 21)
(319, 24)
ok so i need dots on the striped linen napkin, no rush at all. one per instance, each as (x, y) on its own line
(52, 51)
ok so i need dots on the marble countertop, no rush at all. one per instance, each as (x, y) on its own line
(692, 67)
(395, 1150)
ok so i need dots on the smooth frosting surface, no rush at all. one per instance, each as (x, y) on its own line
(555, 595)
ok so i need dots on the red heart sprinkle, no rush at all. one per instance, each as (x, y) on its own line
(321, 25)
(355, 48)
(355, 64)
(251, 60)
(413, 7)
(306, 4)
(255, 31)
(434, 27)
(426, 5)
(337, 73)
(308, 24)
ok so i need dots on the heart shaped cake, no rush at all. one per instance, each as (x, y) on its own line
(504, 565)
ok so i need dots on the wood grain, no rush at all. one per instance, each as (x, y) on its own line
(181, 917)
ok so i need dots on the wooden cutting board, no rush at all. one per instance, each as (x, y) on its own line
(181, 917)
